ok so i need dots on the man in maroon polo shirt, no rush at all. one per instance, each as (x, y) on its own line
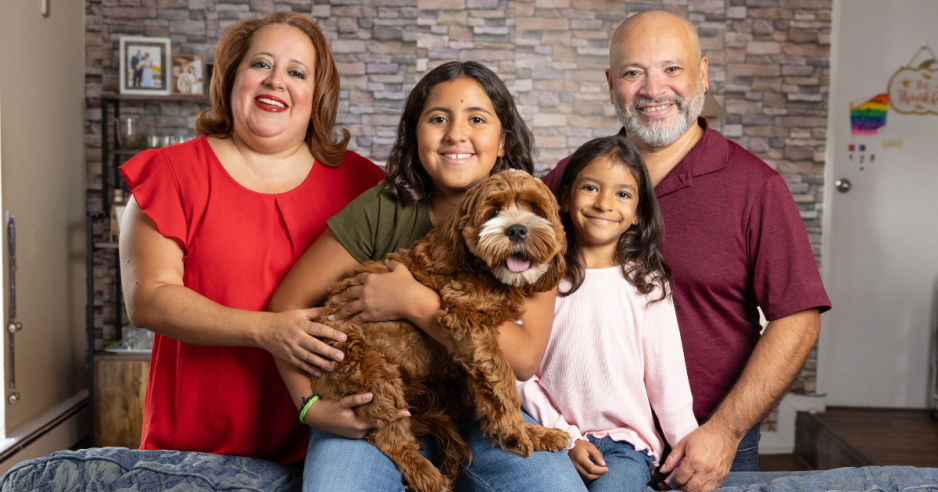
(734, 240)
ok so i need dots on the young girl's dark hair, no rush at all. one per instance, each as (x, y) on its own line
(406, 179)
(637, 252)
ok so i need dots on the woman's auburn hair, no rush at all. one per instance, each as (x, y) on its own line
(637, 252)
(218, 121)
(405, 177)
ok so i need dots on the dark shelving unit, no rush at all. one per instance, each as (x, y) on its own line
(111, 158)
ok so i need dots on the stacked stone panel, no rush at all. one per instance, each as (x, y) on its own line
(768, 66)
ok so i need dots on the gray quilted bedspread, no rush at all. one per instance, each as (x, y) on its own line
(132, 470)
(120, 469)
(869, 478)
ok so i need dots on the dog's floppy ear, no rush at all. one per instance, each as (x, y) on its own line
(551, 278)
(558, 265)
(446, 251)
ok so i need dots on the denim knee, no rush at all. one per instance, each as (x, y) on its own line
(628, 468)
(335, 463)
(493, 469)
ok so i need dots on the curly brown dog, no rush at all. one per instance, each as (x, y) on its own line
(503, 242)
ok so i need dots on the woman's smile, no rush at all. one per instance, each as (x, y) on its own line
(270, 103)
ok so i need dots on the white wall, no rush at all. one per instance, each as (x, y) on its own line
(43, 178)
(880, 254)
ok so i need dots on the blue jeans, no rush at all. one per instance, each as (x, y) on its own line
(747, 453)
(337, 464)
(628, 468)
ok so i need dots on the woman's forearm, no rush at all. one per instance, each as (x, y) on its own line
(182, 314)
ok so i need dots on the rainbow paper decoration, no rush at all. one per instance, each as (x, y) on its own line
(868, 117)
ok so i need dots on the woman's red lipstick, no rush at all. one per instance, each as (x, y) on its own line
(266, 106)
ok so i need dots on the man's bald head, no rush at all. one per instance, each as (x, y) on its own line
(660, 22)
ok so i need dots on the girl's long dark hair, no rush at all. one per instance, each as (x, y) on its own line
(637, 253)
(405, 177)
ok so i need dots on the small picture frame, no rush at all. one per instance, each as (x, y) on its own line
(144, 66)
(188, 75)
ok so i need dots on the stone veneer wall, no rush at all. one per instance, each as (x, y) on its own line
(769, 67)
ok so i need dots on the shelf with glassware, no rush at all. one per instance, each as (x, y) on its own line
(117, 373)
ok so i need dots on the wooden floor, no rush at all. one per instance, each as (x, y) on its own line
(886, 436)
(781, 462)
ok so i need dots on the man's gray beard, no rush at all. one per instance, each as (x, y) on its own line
(657, 133)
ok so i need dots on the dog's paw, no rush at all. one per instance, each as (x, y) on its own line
(422, 476)
(548, 439)
(517, 443)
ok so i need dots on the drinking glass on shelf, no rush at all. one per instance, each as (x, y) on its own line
(130, 133)
(133, 338)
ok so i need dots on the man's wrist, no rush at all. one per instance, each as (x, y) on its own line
(726, 427)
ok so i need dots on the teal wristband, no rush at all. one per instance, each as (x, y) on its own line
(307, 402)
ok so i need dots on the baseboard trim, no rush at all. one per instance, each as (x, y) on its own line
(57, 430)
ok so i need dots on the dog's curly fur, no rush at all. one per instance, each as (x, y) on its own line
(469, 262)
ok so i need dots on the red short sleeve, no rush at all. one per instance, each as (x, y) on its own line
(785, 275)
(156, 190)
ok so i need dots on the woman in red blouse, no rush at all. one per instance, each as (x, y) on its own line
(213, 226)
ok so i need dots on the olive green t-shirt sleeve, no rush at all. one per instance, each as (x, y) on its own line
(375, 224)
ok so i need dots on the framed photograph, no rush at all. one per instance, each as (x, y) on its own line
(188, 74)
(144, 66)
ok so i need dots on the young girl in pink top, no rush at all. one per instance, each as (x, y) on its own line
(615, 352)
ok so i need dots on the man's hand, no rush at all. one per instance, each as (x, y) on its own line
(580, 456)
(702, 459)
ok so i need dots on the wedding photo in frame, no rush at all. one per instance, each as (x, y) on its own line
(188, 75)
(145, 66)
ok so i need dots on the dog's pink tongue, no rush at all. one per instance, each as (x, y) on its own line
(518, 263)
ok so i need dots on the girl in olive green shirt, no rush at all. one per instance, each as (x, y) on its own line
(459, 126)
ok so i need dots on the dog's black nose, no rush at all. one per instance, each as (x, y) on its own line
(517, 232)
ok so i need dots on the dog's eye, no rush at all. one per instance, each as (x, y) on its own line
(495, 213)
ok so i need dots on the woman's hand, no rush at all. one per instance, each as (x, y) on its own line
(292, 337)
(339, 418)
(388, 296)
(580, 455)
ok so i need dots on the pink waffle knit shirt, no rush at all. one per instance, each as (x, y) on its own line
(612, 358)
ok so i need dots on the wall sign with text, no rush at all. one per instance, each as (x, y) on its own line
(915, 90)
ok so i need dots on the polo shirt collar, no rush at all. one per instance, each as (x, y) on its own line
(708, 155)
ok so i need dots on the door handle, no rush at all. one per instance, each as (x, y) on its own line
(843, 185)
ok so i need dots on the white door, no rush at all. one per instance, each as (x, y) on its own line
(880, 255)
(42, 85)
